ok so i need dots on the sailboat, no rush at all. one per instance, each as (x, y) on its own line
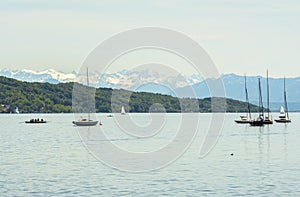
(86, 121)
(123, 110)
(284, 115)
(267, 119)
(244, 118)
(259, 121)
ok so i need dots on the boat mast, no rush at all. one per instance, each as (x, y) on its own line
(261, 106)
(285, 103)
(247, 98)
(88, 85)
(268, 100)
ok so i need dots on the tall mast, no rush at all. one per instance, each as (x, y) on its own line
(88, 85)
(268, 100)
(285, 103)
(247, 98)
(87, 76)
(260, 100)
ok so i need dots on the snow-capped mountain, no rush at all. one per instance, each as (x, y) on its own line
(137, 80)
(50, 75)
(147, 80)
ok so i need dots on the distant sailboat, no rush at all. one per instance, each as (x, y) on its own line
(123, 110)
(267, 119)
(86, 121)
(284, 115)
(259, 121)
(245, 118)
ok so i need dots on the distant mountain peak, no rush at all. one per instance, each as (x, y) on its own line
(49, 75)
(150, 80)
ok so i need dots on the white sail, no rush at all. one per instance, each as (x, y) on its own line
(123, 110)
(282, 110)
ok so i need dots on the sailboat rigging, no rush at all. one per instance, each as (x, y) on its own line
(267, 119)
(284, 114)
(86, 121)
(245, 118)
(259, 121)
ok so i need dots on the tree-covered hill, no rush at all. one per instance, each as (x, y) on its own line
(57, 98)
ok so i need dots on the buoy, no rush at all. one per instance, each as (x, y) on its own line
(231, 154)
(100, 124)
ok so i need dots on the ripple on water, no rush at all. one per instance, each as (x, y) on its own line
(50, 160)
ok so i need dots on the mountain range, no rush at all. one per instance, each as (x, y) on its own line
(234, 88)
(37, 97)
(174, 84)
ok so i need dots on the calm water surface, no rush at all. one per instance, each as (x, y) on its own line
(50, 160)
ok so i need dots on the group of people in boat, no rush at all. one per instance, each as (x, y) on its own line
(36, 121)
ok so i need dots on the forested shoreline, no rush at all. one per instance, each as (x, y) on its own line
(57, 98)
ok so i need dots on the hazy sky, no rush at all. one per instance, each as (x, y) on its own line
(240, 36)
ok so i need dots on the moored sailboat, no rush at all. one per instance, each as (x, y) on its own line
(268, 119)
(259, 121)
(86, 121)
(284, 113)
(245, 118)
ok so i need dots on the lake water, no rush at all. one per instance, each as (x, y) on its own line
(51, 159)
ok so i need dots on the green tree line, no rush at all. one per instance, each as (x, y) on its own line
(57, 98)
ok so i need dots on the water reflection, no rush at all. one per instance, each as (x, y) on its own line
(260, 144)
(285, 142)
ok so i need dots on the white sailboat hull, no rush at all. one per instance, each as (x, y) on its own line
(85, 123)
(283, 120)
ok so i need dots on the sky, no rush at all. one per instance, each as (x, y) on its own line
(240, 36)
